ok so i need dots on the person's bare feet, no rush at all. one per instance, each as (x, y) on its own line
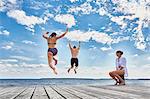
(121, 83)
(68, 70)
(116, 83)
(55, 72)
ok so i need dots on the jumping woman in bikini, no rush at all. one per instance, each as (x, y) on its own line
(52, 50)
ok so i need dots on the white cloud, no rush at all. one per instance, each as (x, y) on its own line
(136, 9)
(120, 39)
(8, 60)
(12, 1)
(23, 19)
(85, 8)
(36, 5)
(6, 5)
(78, 35)
(72, 1)
(42, 70)
(132, 9)
(135, 72)
(119, 21)
(1, 4)
(48, 15)
(22, 58)
(136, 55)
(30, 29)
(140, 41)
(61, 62)
(42, 56)
(29, 42)
(67, 19)
(93, 48)
(100, 37)
(8, 46)
(102, 11)
(15, 69)
(115, 33)
(106, 48)
(4, 32)
(12, 7)
(148, 58)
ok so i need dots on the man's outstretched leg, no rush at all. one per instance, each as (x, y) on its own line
(70, 69)
(76, 65)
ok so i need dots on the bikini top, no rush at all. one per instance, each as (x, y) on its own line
(51, 43)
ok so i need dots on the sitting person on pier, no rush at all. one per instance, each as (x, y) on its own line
(121, 70)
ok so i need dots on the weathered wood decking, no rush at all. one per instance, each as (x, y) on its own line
(76, 92)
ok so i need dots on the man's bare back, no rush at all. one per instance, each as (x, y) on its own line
(74, 59)
(74, 52)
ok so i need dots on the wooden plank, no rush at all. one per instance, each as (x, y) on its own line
(52, 93)
(27, 94)
(12, 93)
(65, 94)
(140, 88)
(82, 95)
(6, 89)
(94, 93)
(143, 93)
(112, 92)
(39, 93)
(75, 92)
(1, 88)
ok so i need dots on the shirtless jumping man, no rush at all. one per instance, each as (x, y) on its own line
(74, 60)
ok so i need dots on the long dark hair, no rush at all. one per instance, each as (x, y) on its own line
(52, 35)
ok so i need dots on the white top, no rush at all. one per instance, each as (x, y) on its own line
(121, 62)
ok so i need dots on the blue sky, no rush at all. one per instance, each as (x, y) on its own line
(102, 26)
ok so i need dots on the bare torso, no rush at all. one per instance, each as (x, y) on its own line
(51, 42)
(74, 52)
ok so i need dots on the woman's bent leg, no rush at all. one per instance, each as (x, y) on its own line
(50, 59)
(117, 74)
(113, 77)
(56, 61)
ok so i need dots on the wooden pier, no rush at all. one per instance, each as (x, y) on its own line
(75, 92)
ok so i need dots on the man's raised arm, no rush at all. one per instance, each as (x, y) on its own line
(79, 45)
(70, 45)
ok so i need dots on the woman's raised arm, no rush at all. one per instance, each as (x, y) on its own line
(62, 35)
(45, 35)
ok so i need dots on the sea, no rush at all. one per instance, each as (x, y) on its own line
(68, 81)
